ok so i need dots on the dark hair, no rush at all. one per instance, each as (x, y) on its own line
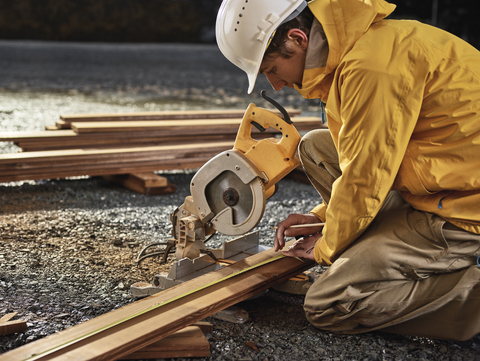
(278, 44)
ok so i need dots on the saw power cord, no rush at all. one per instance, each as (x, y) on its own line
(143, 255)
(168, 248)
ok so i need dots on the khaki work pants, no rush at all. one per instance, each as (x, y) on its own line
(410, 272)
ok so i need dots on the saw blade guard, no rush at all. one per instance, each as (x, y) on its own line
(228, 192)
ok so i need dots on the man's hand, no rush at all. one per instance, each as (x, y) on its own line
(284, 229)
(303, 248)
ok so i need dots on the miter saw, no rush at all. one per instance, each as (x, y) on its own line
(228, 195)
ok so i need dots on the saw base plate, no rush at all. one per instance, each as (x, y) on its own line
(187, 269)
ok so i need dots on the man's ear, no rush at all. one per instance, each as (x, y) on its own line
(299, 37)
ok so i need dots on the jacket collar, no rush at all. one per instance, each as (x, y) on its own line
(338, 26)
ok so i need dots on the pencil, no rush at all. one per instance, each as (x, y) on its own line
(303, 225)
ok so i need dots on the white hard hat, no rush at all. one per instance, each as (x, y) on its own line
(244, 29)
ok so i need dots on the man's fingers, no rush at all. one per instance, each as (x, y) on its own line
(294, 248)
(302, 248)
(293, 227)
(279, 246)
(279, 239)
(302, 231)
(296, 253)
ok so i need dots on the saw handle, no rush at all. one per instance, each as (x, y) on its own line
(274, 157)
(262, 119)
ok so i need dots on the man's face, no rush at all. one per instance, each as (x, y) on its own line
(282, 71)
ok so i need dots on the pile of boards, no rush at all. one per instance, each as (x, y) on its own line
(127, 148)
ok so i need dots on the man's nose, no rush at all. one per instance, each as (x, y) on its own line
(275, 82)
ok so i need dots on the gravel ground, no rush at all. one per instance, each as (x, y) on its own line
(68, 246)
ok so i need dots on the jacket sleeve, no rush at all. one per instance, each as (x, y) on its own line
(372, 111)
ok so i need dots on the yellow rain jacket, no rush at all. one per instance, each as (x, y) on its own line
(403, 106)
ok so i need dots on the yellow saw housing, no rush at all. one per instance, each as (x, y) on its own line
(230, 191)
(275, 158)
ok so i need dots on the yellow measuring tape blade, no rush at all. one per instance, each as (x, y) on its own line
(95, 332)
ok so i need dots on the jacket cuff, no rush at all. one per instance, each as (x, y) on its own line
(320, 211)
(320, 257)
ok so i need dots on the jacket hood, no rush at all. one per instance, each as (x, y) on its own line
(344, 22)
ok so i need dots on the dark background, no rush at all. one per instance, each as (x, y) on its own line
(185, 21)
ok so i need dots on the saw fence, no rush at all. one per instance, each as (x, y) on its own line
(127, 148)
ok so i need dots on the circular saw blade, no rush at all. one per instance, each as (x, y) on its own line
(226, 184)
(246, 207)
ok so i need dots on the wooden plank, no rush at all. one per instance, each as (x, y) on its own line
(132, 327)
(197, 126)
(69, 136)
(59, 125)
(205, 327)
(144, 183)
(158, 165)
(26, 135)
(163, 115)
(85, 141)
(50, 158)
(301, 123)
(187, 342)
(148, 180)
(8, 327)
(110, 142)
(171, 127)
(95, 169)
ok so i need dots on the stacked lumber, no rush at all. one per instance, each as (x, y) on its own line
(70, 139)
(127, 133)
(93, 162)
(120, 144)
(66, 120)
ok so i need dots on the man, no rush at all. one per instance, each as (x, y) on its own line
(398, 169)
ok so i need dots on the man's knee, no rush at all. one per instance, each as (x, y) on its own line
(311, 144)
(367, 266)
